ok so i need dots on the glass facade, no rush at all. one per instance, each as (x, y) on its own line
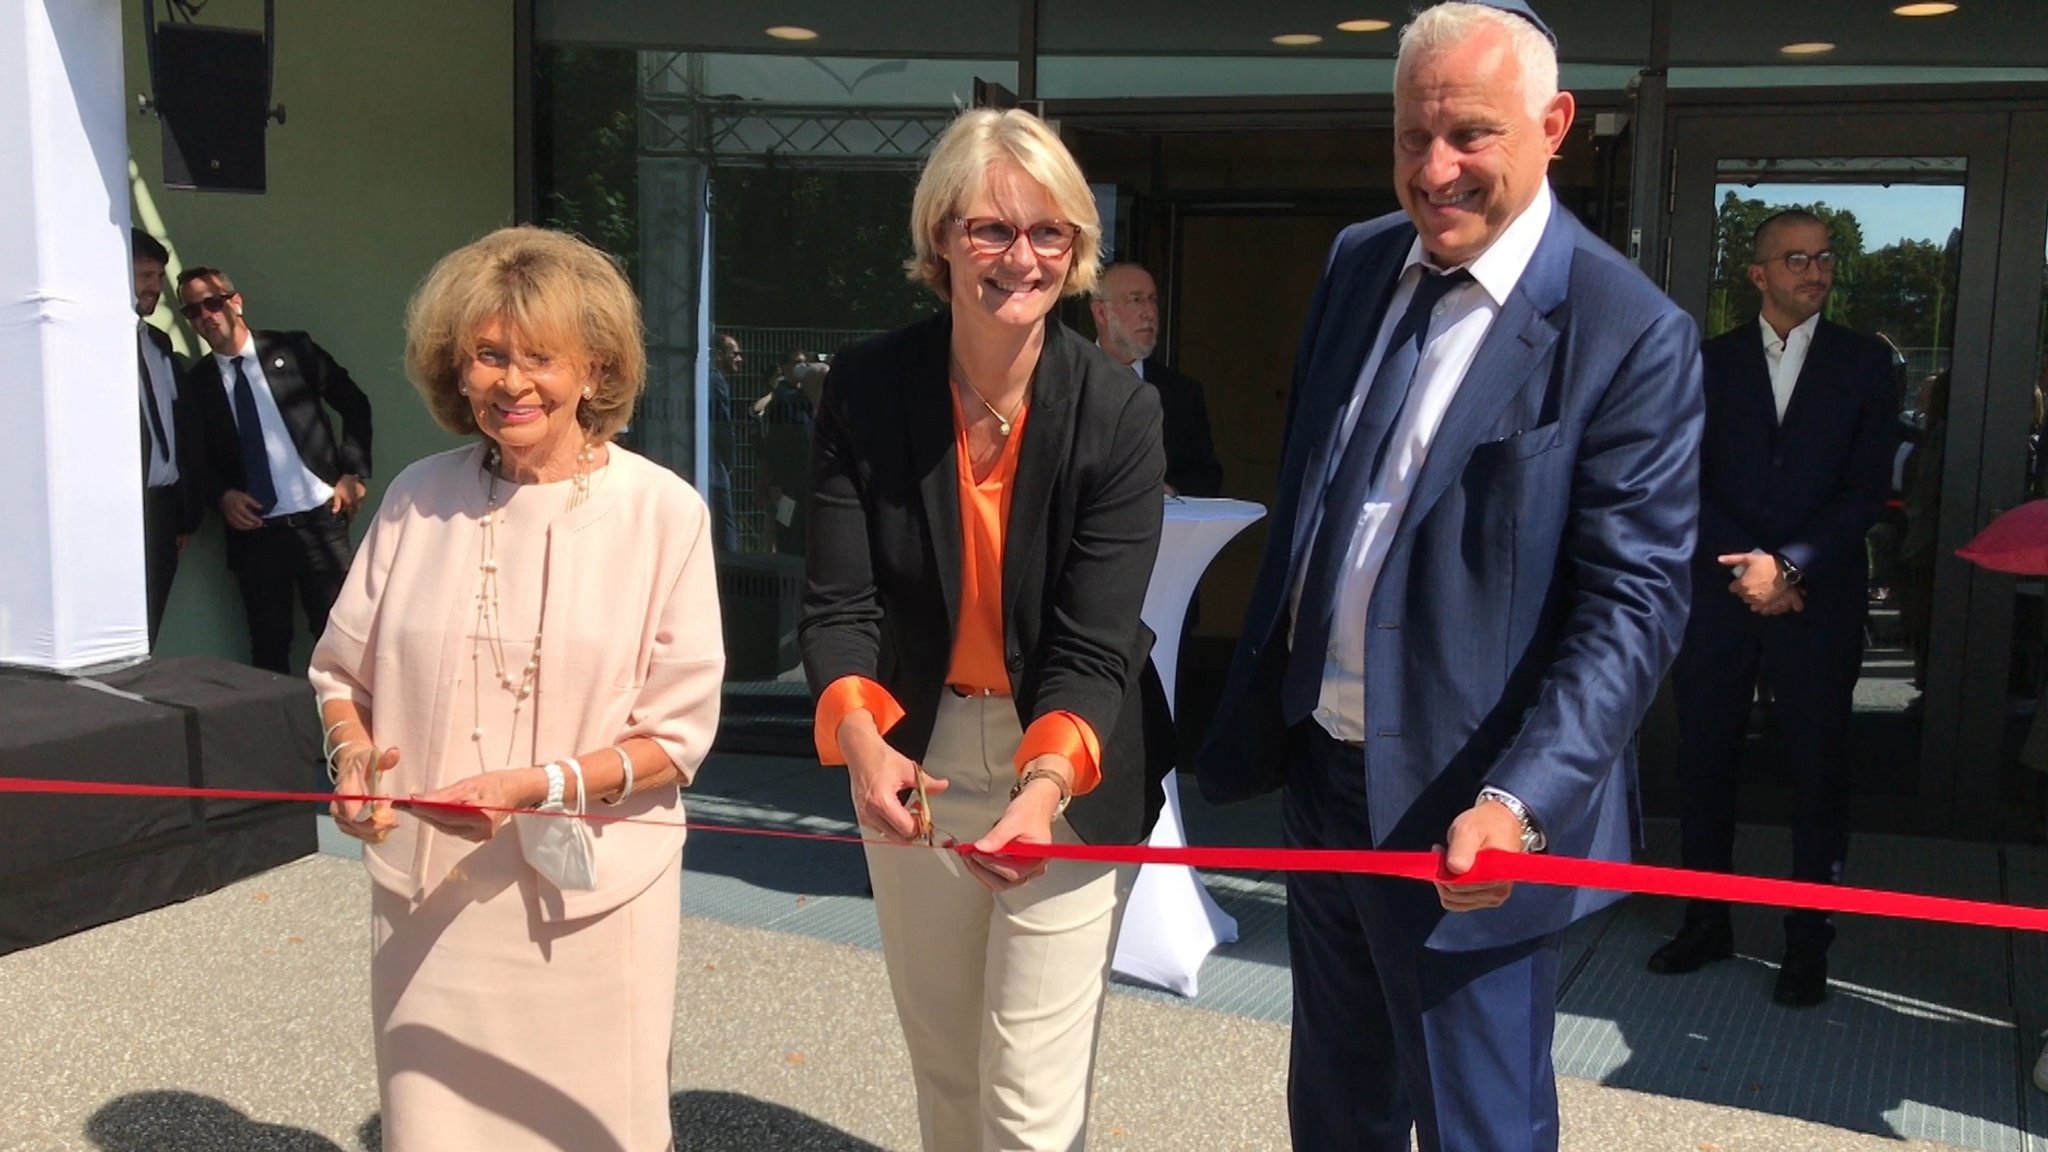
(753, 168)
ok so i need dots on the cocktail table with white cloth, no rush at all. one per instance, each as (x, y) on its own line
(1171, 923)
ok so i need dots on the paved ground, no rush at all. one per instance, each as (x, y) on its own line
(238, 1021)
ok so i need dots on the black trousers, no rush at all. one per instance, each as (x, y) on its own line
(1389, 1034)
(162, 510)
(1811, 660)
(307, 553)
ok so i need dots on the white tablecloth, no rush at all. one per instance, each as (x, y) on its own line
(1171, 923)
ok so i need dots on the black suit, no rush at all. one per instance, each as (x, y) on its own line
(307, 550)
(1191, 467)
(882, 589)
(171, 510)
(1808, 488)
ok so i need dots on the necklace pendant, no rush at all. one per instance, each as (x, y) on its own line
(1003, 427)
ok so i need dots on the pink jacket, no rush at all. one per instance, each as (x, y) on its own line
(631, 593)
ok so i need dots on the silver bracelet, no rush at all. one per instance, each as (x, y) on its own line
(334, 769)
(625, 762)
(327, 737)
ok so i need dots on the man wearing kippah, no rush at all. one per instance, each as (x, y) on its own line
(1476, 578)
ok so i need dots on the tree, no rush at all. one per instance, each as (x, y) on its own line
(586, 155)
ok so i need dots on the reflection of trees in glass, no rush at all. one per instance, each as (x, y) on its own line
(813, 248)
(586, 154)
(1905, 290)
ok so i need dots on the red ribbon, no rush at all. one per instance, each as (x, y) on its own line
(1490, 867)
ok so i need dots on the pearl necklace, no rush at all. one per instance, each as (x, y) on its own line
(1002, 421)
(488, 636)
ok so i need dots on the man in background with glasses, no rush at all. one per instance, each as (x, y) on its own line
(1125, 306)
(1794, 468)
(285, 484)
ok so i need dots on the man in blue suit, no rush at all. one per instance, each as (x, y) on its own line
(1475, 579)
(1795, 467)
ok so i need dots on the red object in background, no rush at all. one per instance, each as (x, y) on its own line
(2016, 542)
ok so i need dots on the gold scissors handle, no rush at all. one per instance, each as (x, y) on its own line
(924, 808)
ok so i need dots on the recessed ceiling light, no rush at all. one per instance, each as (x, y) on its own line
(791, 32)
(1364, 26)
(1297, 39)
(1807, 48)
(1936, 9)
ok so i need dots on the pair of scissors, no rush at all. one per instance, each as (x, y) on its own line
(925, 830)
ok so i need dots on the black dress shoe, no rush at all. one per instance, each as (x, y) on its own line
(1802, 979)
(1695, 946)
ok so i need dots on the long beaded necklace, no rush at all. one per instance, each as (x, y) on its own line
(488, 636)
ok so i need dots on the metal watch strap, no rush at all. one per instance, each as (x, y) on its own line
(1066, 793)
(1533, 839)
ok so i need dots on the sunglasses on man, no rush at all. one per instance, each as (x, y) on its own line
(210, 304)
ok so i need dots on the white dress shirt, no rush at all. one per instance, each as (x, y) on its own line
(298, 490)
(1456, 328)
(163, 393)
(1786, 357)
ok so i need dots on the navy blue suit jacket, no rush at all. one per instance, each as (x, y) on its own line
(1537, 586)
(1810, 487)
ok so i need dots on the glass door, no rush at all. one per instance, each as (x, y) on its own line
(1913, 203)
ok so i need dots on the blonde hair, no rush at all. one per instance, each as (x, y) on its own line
(1446, 26)
(556, 292)
(959, 163)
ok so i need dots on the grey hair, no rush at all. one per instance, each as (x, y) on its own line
(1446, 26)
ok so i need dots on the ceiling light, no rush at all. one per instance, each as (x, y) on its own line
(791, 32)
(1807, 48)
(1297, 39)
(1937, 9)
(1364, 26)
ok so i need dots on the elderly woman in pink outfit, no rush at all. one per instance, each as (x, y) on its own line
(531, 621)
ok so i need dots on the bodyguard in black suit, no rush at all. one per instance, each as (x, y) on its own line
(170, 437)
(1126, 311)
(284, 482)
(1794, 468)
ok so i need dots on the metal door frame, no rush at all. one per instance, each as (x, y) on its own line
(1961, 734)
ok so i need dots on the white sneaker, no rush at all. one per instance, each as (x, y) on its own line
(2041, 1068)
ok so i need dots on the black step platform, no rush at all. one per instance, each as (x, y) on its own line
(68, 863)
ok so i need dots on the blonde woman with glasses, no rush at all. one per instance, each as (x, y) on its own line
(985, 510)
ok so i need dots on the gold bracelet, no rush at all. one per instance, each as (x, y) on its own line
(1066, 790)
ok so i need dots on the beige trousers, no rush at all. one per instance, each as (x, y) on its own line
(1000, 995)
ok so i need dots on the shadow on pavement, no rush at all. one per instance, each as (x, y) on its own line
(168, 1121)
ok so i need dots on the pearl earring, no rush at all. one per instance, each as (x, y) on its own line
(462, 389)
(588, 392)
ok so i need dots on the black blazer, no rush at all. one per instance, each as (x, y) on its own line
(302, 377)
(1191, 465)
(882, 578)
(1809, 487)
(187, 446)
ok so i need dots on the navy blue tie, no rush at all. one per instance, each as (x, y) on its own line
(255, 460)
(1345, 494)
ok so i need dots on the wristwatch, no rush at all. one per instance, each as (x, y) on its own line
(1787, 569)
(1066, 793)
(1533, 839)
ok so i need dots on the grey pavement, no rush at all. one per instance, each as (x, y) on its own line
(239, 1021)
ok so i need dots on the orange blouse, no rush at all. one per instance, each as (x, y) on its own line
(978, 639)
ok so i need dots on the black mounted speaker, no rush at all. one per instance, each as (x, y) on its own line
(212, 91)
